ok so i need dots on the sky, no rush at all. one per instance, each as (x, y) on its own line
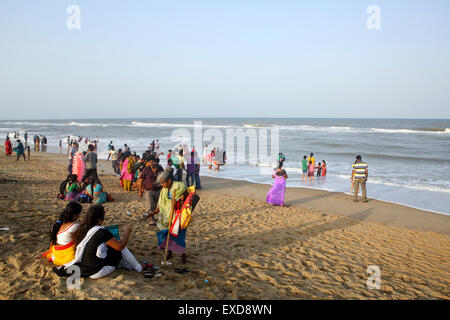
(224, 58)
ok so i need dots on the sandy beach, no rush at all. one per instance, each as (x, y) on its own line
(319, 247)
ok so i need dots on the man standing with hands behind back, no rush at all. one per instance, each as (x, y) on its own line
(359, 176)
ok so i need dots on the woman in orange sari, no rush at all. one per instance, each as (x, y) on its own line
(8, 146)
(62, 246)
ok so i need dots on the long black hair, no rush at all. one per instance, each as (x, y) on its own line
(68, 215)
(95, 214)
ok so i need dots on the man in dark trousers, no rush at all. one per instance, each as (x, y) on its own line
(91, 164)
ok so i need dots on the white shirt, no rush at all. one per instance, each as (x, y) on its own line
(65, 236)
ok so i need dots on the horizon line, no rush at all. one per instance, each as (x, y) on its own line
(190, 118)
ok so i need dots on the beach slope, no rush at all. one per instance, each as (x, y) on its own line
(320, 247)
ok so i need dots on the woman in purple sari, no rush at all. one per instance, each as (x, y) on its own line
(276, 193)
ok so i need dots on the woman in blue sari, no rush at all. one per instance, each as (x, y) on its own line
(95, 191)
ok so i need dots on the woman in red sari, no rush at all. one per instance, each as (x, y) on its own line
(8, 146)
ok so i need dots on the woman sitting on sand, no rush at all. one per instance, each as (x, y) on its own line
(170, 189)
(98, 253)
(62, 247)
(95, 191)
(275, 196)
(73, 188)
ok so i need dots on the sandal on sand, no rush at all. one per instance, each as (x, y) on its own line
(182, 271)
(152, 273)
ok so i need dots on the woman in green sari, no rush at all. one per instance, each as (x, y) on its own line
(170, 190)
(73, 188)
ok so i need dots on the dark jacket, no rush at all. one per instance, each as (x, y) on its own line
(149, 178)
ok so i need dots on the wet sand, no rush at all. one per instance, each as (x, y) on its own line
(319, 247)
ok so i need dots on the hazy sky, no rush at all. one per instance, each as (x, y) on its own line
(224, 58)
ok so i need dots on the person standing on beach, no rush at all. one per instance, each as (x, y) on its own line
(110, 147)
(312, 159)
(281, 158)
(190, 169)
(19, 150)
(324, 168)
(180, 166)
(169, 155)
(72, 153)
(152, 146)
(311, 169)
(319, 169)
(304, 168)
(197, 161)
(127, 174)
(25, 136)
(275, 196)
(8, 147)
(68, 144)
(113, 154)
(360, 174)
(172, 191)
(151, 187)
(91, 164)
(205, 155)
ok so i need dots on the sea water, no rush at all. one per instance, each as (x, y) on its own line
(409, 160)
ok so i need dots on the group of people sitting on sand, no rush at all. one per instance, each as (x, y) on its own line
(87, 244)
(88, 190)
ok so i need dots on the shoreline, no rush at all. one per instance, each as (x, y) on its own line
(339, 203)
(55, 150)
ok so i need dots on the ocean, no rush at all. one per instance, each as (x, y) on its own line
(409, 160)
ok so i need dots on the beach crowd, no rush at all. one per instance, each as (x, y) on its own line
(168, 194)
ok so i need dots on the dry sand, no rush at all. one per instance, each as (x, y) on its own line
(246, 248)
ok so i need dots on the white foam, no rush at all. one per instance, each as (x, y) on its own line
(409, 131)
(187, 125)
